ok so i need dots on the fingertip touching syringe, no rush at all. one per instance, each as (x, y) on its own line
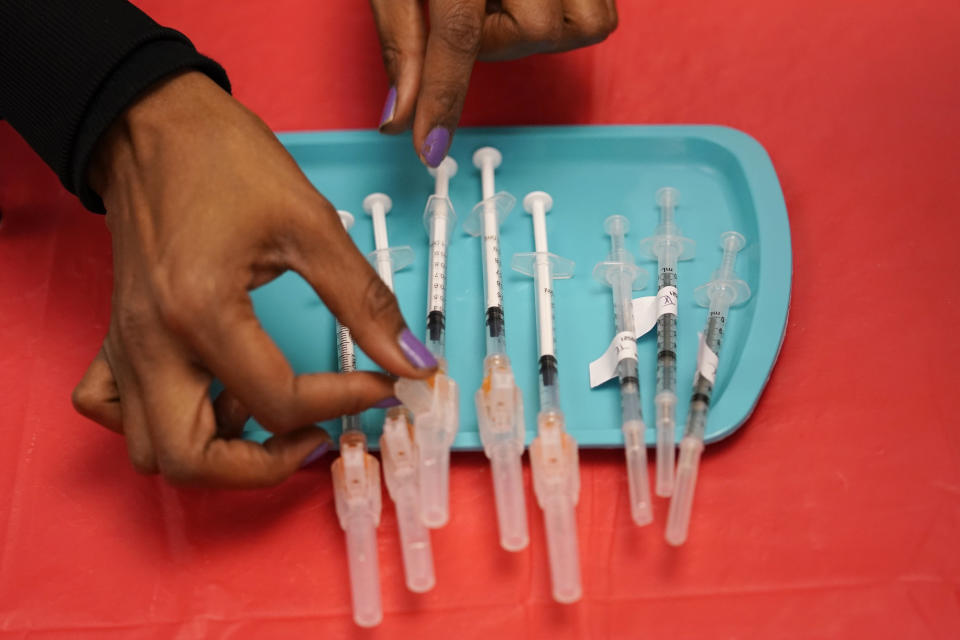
(435, 402)
(666, 246)
(553, 453)
(396, 442)
(722, 292)
(622, 275)
(498, 400)
(356, 487)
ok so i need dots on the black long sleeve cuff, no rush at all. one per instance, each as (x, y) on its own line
(68, 68)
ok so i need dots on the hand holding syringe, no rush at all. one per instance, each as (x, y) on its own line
(553, 453)
(723, 291)
(435, 402)
(356, 487)
(396, 443)
(498, 400)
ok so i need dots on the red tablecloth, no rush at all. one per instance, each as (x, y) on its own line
(835, 512)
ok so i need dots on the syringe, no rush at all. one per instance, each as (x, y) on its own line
(396, 442)
(553, 453)
(723, 291)
(666, 246)
(356, 488)
(435, 402)
(498, 400)
(620, 273)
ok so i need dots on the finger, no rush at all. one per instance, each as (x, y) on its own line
(183, 426)
(238, 352)
(456, 27)
(96, 396)
(521, 28)
(402, 42)
(241, 464)
(586, 22)
(357, 296)
(230, 415)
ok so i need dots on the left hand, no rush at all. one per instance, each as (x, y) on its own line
(429, 74)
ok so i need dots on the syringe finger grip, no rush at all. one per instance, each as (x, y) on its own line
(364, 570)
(678, 518)
(560, 522)
(507, 469)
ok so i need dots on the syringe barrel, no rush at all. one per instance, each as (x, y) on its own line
(350, 423)
(678, 518)
(667, 332)
(361, 538)
(492, 273)
(563, 549)
(414, 541)
(621, 282)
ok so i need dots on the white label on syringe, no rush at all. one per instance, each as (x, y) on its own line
(622, 347)
(648, 309)
(707, 360)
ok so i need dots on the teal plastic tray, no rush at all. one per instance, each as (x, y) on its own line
(725, 179)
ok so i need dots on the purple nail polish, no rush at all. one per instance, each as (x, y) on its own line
(435, 145)
(386, 403)
(315, 455)
(389, 107)
(416, 351)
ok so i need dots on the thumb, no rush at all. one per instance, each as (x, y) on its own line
(456, 28)
(402, 39)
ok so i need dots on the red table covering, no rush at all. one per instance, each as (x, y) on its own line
(833, 513)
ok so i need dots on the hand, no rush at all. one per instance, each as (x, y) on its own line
(429, 75)
(203, 204)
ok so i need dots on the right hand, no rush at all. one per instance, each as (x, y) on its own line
(203, 204)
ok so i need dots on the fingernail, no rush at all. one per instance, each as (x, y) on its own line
(389, 107)
(416, 352)
(435, 145)
(315, 455)
(386, 403)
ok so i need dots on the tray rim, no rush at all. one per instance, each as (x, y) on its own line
(763, 185)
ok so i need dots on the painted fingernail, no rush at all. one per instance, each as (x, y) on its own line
(389, 107)
(434, 148)
(416, 352)
(386, 403)
(315, 455)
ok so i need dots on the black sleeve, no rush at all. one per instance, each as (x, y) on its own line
(68, 68)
